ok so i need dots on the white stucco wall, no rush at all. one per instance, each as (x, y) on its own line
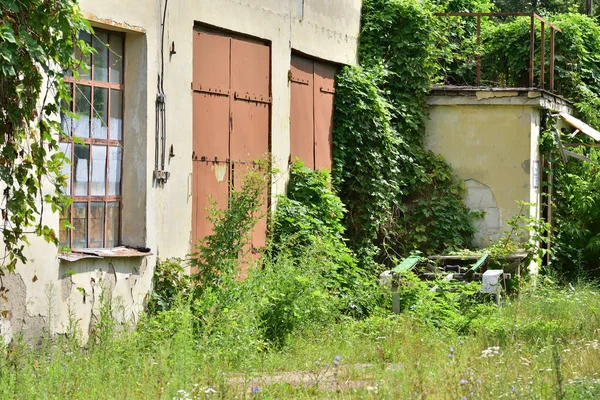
(48, 293)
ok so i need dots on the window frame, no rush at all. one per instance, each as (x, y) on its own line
(90, 141)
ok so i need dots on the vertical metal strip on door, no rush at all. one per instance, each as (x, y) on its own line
(324, 89)
(302, 110)
(250, 115)
(210, 153)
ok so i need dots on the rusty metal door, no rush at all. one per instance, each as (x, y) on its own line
(250, 115)
(210, 153)
(311, 111)
(324, 89)
(232, 107)
(302, 111)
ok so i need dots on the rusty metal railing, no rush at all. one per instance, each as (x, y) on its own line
(533, 17)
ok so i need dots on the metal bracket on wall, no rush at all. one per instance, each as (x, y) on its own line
(161, 176)
(301, 81)
(252, 97)
(216, 90)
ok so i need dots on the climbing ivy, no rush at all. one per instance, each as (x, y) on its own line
(400, 197)
(38, 41)
(575, 196)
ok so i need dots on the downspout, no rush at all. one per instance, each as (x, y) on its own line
(160, 175)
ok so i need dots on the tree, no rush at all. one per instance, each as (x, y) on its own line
(38, 41)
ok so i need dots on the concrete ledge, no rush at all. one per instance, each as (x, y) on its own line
(469, 95)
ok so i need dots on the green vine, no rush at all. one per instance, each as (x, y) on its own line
(400, 197)
(38, 41)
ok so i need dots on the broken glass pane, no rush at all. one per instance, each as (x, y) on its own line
(81, 170)
(98, 170)
(116, 58)
(100, 120)
(116, 114)
(112, 224)
(66, 167)
(114, 171)
(100, 42)
(83, 103)
(80, 225)
(97, 224)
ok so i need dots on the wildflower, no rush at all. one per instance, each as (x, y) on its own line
(463, 382)
(452, 350)
(336, 362)
(255, 389)
(338, 358)
(462, 342)
(463, 398)
(513, 389)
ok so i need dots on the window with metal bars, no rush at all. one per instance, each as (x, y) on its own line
(94, 146)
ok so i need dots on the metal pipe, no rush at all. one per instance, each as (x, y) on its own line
(542, 56)
(478, 49)
(531, 50)
(552, 59)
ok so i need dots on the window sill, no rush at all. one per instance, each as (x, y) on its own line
(114, 252)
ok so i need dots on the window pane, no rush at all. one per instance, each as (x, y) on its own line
(116, 114)
(81, 169)
(66, 122)
(100, 121)
(80, 225)
(112, 224)
(66, 167)
(97, 224)
(98, 170)
(64, 234)
(115, 54)
(99, 41)
(83, 104)
(114, 171)
(83, 74)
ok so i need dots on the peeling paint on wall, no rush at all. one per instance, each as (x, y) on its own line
(481, 198)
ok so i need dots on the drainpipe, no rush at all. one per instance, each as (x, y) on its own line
(160, 175)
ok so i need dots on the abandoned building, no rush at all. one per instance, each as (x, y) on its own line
(186, 95)
(189, 92)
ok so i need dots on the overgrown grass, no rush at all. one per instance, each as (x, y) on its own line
(542, 344)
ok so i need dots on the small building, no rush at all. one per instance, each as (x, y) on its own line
(184, 96)
(489, 136)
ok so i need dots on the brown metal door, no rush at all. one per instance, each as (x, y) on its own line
(302, 111)
(210, 129)
(311, 112)
(250, 113)
(324, 89)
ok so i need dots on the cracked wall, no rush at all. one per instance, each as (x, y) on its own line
(490, 147)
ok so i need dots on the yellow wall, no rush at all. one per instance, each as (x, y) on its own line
(489, 144)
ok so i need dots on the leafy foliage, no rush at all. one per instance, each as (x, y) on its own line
(38, 40)
(575, 184)
(222, 254)
(312, 214)
(400, 197)
(309, 220)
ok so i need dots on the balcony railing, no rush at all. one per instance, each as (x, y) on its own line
(532, 44)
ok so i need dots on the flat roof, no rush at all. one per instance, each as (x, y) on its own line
(499, 96)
